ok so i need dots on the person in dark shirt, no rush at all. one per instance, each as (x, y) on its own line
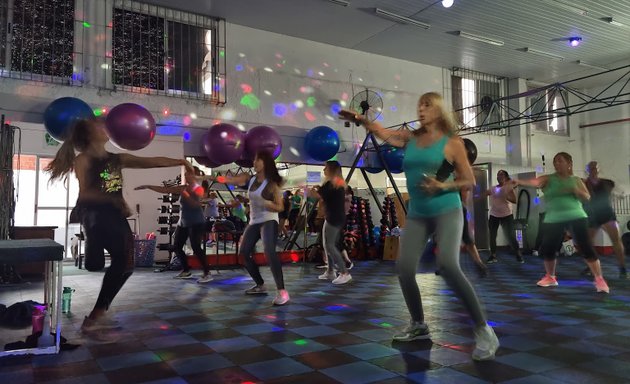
(101, 208)
(333, 193)
(601, 214)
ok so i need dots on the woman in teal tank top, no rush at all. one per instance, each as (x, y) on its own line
(564, 194)
(434, 207)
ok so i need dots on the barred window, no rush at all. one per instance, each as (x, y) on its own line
(162, 51)
(547, 110)
(37, 39)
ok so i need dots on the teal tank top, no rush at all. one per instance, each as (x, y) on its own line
(561, 204)
(417, 162)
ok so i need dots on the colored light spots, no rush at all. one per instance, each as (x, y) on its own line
(360, 79)
(297, 71)
(187, 120)
(309, 116)
(279, 110)
(325, 64)
(104, 66)
(277, 329)
(536, 200)
(241, 127)
(510, 148)
(87, 25)
(328, 117)
(539, 169)
(311, 101)
(164, 327)
(393, 108)
(380, 117)
(241, 55)
(335, 108)
(216, 121)
(294, 151)
(228, 114)
(306, 89)
(193, 115)
(168, 130)
(221, 53)
(279, 65)
(246, 88)
(445, 292)
(294, 257)
(336, 307)
(267, 69)
(266, 92)
(386, 325)
(271, 317)
(186, 136)
(165, 112)
(310, 73)
(344, 96)
(293, 107)
(250, 101)
(321, 73)
(278, 55)
(238, 67)
(298, 104)
(97, 112)
(300, 342)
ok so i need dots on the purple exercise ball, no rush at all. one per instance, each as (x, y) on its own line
(130, 126)
(263, 138)
(224, 143)
(206, 162)
(206, 149)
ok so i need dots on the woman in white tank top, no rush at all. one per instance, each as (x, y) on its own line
(502, 197)
(265, 199)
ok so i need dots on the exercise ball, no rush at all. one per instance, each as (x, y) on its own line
(321, 143)
(206, 162)
(130, 126)
(471, 150)
(244, 162)
(224, 143)
(262, 138)
(61, 114)
(393, 157)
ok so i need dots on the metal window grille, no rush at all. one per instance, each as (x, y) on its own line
(474, 96)
(621, 205)
(162, 51)
(548, 111)
(37, 40)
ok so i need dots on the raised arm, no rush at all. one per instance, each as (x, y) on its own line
(540, 182)
(130, 161)
(238, 180)
(398, 138)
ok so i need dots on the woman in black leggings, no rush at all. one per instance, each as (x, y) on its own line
(100, 207)
(192, 224)
(502, 197)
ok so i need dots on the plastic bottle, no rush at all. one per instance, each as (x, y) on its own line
(38, 318)
(66, 299)
(46, 339)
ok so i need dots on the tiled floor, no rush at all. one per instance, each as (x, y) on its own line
(180, 332)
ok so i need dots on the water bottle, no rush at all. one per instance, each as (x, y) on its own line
(66, 299)
(38, 318)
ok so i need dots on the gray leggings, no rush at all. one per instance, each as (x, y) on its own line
(330, 238)
(269, 233)
(448, 230)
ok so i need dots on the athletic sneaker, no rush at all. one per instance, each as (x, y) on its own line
(349, 265)
(519, 259)
(535, 253)
(623, 273)
(323, 266)
(342, 279)
(256, 290)
(492, 259)
(328, 275)
(183, 275)
(414, 331)
(601, 285)
(486, 343)
(281, 298)
(547, 281)
(204, 279)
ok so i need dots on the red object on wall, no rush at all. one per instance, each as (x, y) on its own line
(232, 259)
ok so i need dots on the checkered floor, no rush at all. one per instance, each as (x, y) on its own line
(177, 331)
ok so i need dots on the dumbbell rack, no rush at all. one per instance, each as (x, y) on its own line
(169, 216)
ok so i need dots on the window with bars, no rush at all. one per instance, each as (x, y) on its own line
(37, 39)
(547, 111)
(157, 50)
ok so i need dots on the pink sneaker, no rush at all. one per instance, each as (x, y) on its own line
(547, 281)
(601, 285)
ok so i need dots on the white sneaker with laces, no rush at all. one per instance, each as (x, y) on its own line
(342, 279)
(414, 331)
(204, 279)
(328, 275)
(281, 298)
(487, 343)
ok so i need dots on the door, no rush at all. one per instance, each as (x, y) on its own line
(480, 207)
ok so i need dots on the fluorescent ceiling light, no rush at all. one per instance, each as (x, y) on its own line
(401, 19)
(567, 6)
(343, 3)
(544, 54)
(610, 21)
(582, 63)
(483, 39)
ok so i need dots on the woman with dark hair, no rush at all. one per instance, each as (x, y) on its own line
(502, 197)
(101, 208)
(283, 216)
(434, 207)
(601, 213)
(564, 194)
(333, 193)
(191, 225)
(265, 198)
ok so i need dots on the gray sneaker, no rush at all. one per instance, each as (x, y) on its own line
(414, 331)
(256, 290)
(486, 342)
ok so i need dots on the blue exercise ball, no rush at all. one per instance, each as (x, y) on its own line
(61, 114)
(321, 143)
(372, 163)
(393, 156)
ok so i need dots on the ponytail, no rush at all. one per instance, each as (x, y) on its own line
(63, 162)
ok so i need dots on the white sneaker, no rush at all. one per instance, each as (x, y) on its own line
(342, 279)
(328, 275)
(535, 253)
(323, 266)
(414, 331)
(487, 343)
(204, 279)
(281, 298)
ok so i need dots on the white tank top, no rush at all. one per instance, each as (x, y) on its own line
(257, 212)
(499, 204)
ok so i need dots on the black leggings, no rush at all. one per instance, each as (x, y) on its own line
(106, 229)
(553, 234)
(269, 233)
(195, 233)
(507, 224)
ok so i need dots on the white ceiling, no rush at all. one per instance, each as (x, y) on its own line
(536, 24)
